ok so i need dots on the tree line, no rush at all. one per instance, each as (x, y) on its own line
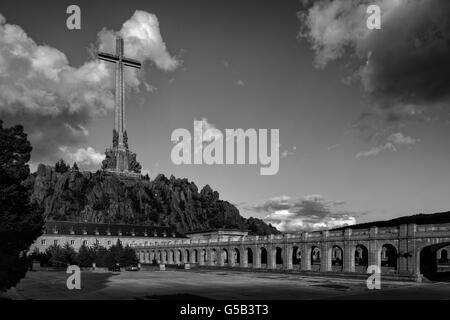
(62, 256)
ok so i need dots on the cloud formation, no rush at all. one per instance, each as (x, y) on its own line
(404, 68)
(87, 159)
(312, 212)
(393, 141)
(56, 101)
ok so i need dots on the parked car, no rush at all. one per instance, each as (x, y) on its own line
(115, 268)
(132, 268)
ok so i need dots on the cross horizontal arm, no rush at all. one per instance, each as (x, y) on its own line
(108, 57)
(132, 63)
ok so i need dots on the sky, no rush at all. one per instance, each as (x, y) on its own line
(363, 115)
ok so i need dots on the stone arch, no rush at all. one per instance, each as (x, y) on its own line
(236, 256)
(315, 258)
(443, 255)
(337, 258)
(430, 262)
(187, 256)
(278, 255)
(224, 256)
(389, 258)
(213, 257)
(263, 256)
(249, 253)
(194, 256)
(152, 257)
(296, 257)
(203, 258)
(178, 256)
(361, 258)
(171, 258)
(159, 256)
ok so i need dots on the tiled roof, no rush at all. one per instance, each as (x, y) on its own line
(105, 229)
(218, 230)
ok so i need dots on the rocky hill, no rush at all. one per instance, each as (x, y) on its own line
(103, 197)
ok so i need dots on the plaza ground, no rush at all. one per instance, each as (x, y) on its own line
(201, 284)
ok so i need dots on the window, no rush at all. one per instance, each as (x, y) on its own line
(43, 241)
(72, 242)
(85, 242)
(109, 242)
(55, 242)
(97, 241)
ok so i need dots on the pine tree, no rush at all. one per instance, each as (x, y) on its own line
(61, 166)
(21, 221)
(86, 256)
(129, 257)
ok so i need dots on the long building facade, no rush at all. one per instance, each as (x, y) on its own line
(77, 234)
(408, 251)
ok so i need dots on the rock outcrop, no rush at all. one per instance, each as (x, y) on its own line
(104, 197)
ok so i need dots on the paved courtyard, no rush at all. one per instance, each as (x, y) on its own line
(215, 284)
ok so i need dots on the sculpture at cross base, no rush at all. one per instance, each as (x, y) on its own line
(119, 158)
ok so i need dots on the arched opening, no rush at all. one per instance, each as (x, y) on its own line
(279, 258)
(225, 256)
(204, 256)
(296, 257)
(179, 256)
(195, 256)
(214, 257)
(153, 257)
(249, 257)
(389, 257)
(237, 257)
(263, 257)
(159, 256)
(337, 255)
(315, 258)
(187, 257)
(361, 258)
(171, 257)
(434, 263)
(443, 256)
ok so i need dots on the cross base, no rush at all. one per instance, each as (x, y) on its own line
(120, 160)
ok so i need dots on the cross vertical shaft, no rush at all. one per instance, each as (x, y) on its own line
(119, 60)
(119, 107)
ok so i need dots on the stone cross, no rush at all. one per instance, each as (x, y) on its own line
(120, 61)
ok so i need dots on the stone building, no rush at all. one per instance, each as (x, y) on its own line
(403, 251)
(78, 233)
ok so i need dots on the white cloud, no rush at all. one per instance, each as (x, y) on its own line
(334, 146)
(85, 158)
(142, 40)
(332, 26)
(286, 153)
(393, 141)
(240, 83)
(311, 212)
(399, 66)
(57, 101)
(402, 140)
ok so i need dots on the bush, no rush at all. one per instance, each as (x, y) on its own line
(85, 256)
(57, 256)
